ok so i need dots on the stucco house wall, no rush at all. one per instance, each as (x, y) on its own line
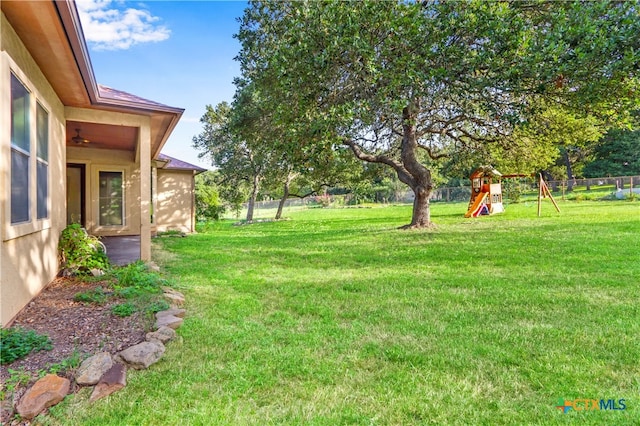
(46, 77)
(28, 250)
(175, 206)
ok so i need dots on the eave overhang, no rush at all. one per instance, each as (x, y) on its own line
(52, 33)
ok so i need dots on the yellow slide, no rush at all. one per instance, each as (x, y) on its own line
(476, 204)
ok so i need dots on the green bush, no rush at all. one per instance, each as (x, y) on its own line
(157, 306)
(81, 252)
(17, 378)
(137, 275)
(130, 292)
(16, 343)
(67, 364)
(123, 309)
(97, 296)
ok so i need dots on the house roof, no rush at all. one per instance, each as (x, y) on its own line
(52, 33)
(128, 98)
(175, 164)
(485, 171)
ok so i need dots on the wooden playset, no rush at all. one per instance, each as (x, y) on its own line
(486, 192)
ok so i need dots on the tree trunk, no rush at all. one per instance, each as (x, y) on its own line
(252, 199)
(419, 179)
(567, 162)
(284, 198)
(421, 216)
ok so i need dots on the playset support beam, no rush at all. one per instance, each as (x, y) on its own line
(543, 191)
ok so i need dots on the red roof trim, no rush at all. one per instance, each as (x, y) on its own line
(175, 164)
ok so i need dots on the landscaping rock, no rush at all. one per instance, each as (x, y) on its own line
(163, 334)
(112, 381)
(97, 272)
(142, 355)
(168, 321)
(93, 368)
(153, 267)
(45, 393)
(176, 312)
(173, 296)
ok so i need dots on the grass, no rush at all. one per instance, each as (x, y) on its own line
(337, 317)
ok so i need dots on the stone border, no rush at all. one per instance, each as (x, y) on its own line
(105, 372)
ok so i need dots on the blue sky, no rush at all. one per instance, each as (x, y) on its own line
(179, 53)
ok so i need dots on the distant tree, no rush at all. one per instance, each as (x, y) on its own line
(402, 82)
(557, 140)
(226, 141)
(209, 205)
(617, 154)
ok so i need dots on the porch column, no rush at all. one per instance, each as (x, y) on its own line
(154, 199)
(193, 202)
(144, 156)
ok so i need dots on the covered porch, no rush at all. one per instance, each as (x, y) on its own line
(110, 163)
(122, 250)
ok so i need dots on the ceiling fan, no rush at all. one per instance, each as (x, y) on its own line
(79, 139)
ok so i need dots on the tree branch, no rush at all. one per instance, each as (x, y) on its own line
(402, 173)
(431, 152)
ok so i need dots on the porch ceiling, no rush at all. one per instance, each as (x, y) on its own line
(103, 136)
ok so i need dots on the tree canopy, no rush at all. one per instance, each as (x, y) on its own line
(617, 154)
(407, 84)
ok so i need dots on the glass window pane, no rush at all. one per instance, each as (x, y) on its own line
(19, 115)
(111, 202)
(110, 212)
(110, 184)
(42, 121)
(43, 189)
(19, 187)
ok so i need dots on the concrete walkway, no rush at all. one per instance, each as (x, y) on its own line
(122, 250)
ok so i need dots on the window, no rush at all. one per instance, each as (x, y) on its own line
(42, 164)
(20, 151)
(111, 198)
(28, 181)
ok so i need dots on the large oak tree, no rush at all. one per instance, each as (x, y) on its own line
(407, 83)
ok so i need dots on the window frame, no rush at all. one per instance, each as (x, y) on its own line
(10, 69)
(23, 152)
(42, 161)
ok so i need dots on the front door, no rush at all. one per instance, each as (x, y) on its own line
(76, 194)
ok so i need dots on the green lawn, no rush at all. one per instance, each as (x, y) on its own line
(337, 317)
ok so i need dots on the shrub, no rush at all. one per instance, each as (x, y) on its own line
(512, 192)
(157, 306)
(123, 309)
(16, 343)
(17, 378)
(67, 364)
(80, 251)
(324, 200)
(97, 296)
(137, 275)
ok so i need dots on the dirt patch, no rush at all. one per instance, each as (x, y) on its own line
(75, 329)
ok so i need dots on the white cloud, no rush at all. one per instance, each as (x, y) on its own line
(110, 25)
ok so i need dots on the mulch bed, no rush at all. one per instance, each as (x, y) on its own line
(75, 328)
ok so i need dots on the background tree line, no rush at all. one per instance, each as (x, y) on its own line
(335, 94)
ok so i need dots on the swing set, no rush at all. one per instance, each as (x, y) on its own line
(486, 191)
